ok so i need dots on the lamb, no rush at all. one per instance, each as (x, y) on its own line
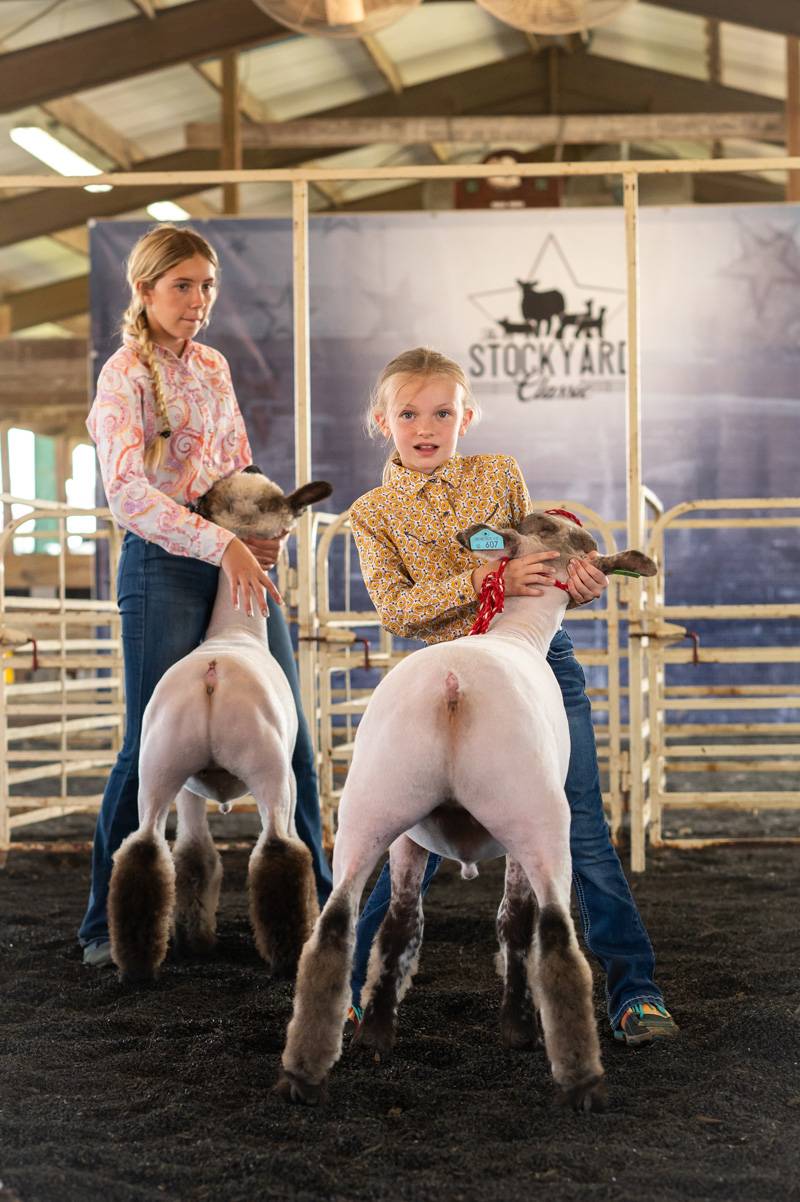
(221, 723)
(480, 774)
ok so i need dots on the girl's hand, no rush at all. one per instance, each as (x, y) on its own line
(524, 577)
(267, 550)
(247, 579)
(585, 581)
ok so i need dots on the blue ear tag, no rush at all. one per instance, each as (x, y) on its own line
(486, 540)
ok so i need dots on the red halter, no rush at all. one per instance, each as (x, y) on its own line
(492, 598)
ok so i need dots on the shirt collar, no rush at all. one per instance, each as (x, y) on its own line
(410, 482)
(163, 351)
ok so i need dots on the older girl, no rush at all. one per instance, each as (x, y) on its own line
(167, 426)
(424, 585)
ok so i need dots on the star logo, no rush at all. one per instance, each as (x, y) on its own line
(575, 305)
(767, 263)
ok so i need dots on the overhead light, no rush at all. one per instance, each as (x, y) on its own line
(167, 210)
(55, 154)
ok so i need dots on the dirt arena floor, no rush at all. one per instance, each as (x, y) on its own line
(107, 1093)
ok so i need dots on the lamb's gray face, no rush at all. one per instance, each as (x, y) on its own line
(252, 506)
(540, 531)
(537, 531)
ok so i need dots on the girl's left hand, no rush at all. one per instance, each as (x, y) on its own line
(267, 550)
(585, 581)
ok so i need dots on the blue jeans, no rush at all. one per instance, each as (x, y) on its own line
(165, 602)
(612, 926)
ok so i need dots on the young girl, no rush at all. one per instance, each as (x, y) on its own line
(167, 427)
(424, 585)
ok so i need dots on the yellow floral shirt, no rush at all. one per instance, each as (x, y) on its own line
(418, 576)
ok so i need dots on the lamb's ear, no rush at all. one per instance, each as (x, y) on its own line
(202, 507)
(627, 563)
(488, 543)
(308, 494)
(256, 471)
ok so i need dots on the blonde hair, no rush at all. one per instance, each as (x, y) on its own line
(420, 363)
(157, 252)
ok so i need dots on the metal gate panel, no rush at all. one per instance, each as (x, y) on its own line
(720, 744)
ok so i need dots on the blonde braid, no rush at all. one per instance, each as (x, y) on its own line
(154, 453)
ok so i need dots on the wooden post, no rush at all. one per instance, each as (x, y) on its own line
(793, 113)
(306, 600)
(231, 153)
(636, 525)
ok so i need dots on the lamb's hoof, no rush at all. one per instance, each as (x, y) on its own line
(518, 1035)
(296, 1089)
(136, 977)
(373, 1039)
(589, 1096)
(283, 968)
(189, 945)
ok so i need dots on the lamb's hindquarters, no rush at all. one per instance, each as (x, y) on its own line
(395, 952)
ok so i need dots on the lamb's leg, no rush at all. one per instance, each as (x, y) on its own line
(198, 877)
(561, 983)
(322, 992)
(141, 894)
(515, 922)
(395, 952)
(283, 893)
(560, 978)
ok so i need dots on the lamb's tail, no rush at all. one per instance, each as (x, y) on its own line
(452, 693)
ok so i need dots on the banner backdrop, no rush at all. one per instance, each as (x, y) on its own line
(532, 304)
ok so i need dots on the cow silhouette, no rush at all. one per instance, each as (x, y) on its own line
(540, 307)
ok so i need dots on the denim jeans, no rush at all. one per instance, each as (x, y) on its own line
(165, 602)
(612, 926)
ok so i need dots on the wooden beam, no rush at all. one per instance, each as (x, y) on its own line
(122, 49)
(53, 367)
(249, 105)
(736, 189)
(231, 144)
(33, 214)
(793, 113)
(406, 131)
(96, 132)
(386, 65)
(714, 68)
(48, 302)
(775, 16)
(588, 84)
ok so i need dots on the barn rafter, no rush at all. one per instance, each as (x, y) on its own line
(618, 90)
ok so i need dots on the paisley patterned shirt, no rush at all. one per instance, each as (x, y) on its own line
(208, 442)
(418, 576)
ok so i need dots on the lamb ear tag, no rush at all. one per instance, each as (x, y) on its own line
(486, 540)
(624, 572)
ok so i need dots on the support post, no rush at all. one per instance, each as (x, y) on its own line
(793, 114)
(306, 600)
(231, 155)
(636, 525)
